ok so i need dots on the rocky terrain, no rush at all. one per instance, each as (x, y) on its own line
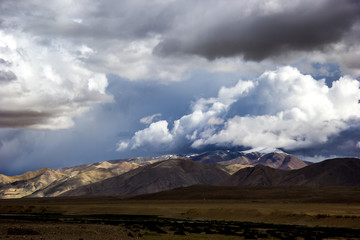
(268, 157)
(21, 186)
(150, 175)
(52, 183)
(156, 177)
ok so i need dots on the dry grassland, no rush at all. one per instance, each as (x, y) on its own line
(329, 211)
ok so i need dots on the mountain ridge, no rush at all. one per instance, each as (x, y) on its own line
(22, 188)
(149, 175)
(275, 159)
(331, 172)
(156, 177)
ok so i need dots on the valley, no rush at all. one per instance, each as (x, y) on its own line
(214, 195)
(216, 213)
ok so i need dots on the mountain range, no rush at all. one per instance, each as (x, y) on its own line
(150, 175)
(332, 172)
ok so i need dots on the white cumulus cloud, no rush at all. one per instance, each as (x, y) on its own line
(149, 119)
(279, 109)
(156, 135)
(44, 86)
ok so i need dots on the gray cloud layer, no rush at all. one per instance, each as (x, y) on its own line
(306, 26)
(22, 118)
(158, 40)
(67, 47)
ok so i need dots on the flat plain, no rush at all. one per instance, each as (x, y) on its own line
(197, 212)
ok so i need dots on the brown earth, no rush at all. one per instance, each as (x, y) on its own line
(200, 208)
(281, 161)
(324, 206)
(156, 177)
(277, 159)
(17, 229)
(332, 172)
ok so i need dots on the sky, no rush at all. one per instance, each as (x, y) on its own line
(88, 80)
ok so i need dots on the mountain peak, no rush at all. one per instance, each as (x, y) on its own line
(130, 178)
(271, 157)
(264, 150)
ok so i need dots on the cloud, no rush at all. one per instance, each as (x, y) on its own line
(170, 40)
(22, 118)
(54, 57)
(7, 76)
(215, 121)
(262, 30)
(156, 135)
(206, 113)
(44, 87)
(149, 119)
(279, 109)
(121, 42)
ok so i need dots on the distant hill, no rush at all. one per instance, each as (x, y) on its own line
(156, 177)
(84, 175)
(268, 157)
(29, 183)
(255, 176)
(264, 167)
(281, 160)
(23, 177)
(51, 183)
(226, 157)
(333, 172)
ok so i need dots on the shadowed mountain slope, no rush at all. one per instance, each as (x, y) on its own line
(156, 177)
(255, 176)
(281, 161)
(333, 172)
(259, 193)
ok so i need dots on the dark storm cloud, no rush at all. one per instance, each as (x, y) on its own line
(126, 32)
(16, 119)
(306, 27)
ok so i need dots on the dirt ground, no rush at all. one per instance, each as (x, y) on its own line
(310, 214)
(333, 212)
(15, 229)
